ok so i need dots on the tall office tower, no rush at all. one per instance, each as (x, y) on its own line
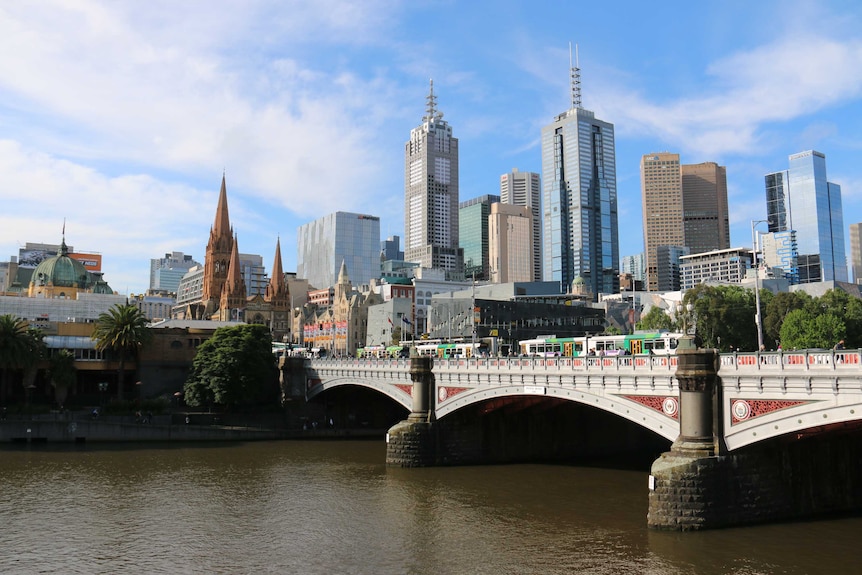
(431, 195)
(322, 245)
(166, 272)
(390, 249)
(684, 205)
(510, 249)
(634, 265)
(667, 267)
(856, 251)
(473, 233)
(579, 199)
(661, 197)
(525, 189)
(704, 207)
(801, 199)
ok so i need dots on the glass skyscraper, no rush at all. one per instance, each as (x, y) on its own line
(323, 244)
(802, 200)
(473, 233)
(579, 199)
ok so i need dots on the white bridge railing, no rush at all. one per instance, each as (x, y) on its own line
(769, 362)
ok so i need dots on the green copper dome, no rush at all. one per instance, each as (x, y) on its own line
(61, 271)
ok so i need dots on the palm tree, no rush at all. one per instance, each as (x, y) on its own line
(122, 331)
(63, 374)
(14, 349)
(36, 350)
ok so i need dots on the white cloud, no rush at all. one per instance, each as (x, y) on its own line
(750, 92)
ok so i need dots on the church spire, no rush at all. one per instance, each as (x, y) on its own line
(221, 226)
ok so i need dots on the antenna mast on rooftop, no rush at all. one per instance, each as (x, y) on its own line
(575, 73)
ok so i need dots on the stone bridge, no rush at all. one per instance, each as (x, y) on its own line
(760, 396)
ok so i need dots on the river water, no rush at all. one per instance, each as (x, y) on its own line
(333, 507)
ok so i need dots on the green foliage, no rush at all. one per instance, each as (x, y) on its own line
(121, 331)
(20, 349)
(656, 319)
(776, 310)
(234, 367)
(63, 374)
(724, 313)
(802, 330)
(613, 330)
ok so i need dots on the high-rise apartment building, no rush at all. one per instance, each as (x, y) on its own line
(684, 206)
(473, 235)
(525, 189)
(779, 250)
(510, 232)
(579, 199)
(856, 251)
(635, 266)
(166, 272)
(322, 245)
(803, 200)
(431, 195)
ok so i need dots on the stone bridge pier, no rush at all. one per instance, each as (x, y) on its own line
(699, 485)
(412, 443)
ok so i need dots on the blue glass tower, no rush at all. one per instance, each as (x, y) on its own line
(802, 200)
(579, 199)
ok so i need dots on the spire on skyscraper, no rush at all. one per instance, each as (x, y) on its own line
(431, 113)
(575, 73)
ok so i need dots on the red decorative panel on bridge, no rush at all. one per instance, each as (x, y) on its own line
(444, 393)
(745, 409)
(408, 389)
(668, 406)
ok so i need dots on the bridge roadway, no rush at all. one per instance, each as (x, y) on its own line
(761, 395)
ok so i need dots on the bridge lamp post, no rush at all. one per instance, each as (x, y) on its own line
(754, 250)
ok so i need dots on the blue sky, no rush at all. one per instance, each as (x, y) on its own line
(120, 117)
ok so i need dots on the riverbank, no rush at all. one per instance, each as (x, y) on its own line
(82, 428)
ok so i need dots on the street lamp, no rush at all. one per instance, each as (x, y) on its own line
(332, 330)
(755, 242)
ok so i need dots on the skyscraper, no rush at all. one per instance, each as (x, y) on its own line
(473, 235)
(704, 207)
(322, 246)
(661, 197)
(801, 199)
(856, 251)
(525, 189)
(431, 194)
(684, 206)
(510, 234)
(579, 199)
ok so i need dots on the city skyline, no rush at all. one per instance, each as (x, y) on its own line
(124, 123)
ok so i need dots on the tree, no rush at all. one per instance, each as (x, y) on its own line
(802, 330)
(656, 319)
(36, 350)
(849, 309)
(775, 312)
(63, 374)
(234, 367)
(723, 314)
(14, 349)
(122, 331)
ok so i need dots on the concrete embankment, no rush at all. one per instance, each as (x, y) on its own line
(160, 428)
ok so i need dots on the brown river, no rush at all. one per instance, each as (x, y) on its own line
(333, 507)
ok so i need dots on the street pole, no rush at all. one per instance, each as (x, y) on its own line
(756, 264)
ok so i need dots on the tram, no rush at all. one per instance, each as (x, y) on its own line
(655, 343)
